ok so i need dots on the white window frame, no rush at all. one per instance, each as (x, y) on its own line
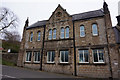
(98, 56)
(54, 33)
(36, 52)
(31, 36)
(62, 33)
(27, 56)
(39, 36)
(82, 31)
(64, 57)
(84, 57)
(51, 52)
(93, 30)
(50, 35)
(66, 32)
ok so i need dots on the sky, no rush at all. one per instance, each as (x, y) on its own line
(38, 10)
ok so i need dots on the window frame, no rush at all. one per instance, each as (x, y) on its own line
(51, 55)
(62, 33)
(54, 33)
(93, 29)
(31, 36)
(38, 36)
(83, 50)
(82, 30)
(67, 32)
(26, 58)
(98, 56)
(64, 56)
(50, 35)
(38, 52)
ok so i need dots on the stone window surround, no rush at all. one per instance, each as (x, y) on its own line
(64, 56)
(38, 35)
(34, 56)
(82, 30)
(97, 29)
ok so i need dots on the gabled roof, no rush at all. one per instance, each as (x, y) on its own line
(37, 24)
(117, 34)
(80, 16)
(88, 15)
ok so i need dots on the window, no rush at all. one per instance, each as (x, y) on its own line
(54, 34)
(67, 32)
(62, 33)
(50, 56)
(28, 56)
(63, 56)
(94, 30)
(83, 56)
(82, 31)
(50, 34)
(98, 55)
(36, 56)
(31, 36)
(39, 36)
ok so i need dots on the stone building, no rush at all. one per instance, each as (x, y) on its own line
(82, 44)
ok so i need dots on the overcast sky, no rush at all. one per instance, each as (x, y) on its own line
(38, 10)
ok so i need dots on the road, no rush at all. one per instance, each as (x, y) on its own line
(17, 73)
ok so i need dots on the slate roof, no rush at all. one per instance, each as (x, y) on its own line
(117, 34)
(80, 16)
(88, 15)
(37, 24)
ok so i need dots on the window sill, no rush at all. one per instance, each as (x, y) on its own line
(64, 63)
(28, 62)
(99, 63)
(83, 63)
(50, 63)
(35, 62)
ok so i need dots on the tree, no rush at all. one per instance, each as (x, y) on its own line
(13, 36)
(7, 19)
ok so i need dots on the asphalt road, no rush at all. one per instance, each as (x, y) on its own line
(17, 73)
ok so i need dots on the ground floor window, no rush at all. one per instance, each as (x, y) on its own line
(50, 56)
(83, 56)
(28, 56)
(63, 56)
(98, 55)
(36, 56)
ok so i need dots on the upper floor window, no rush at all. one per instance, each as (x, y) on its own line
(67, 32)
(50, 34)
(94, 29)
(98, 55)
(54, 34)
(62, 33)
(50, 56)
(28, 56)
(83, 56)
(31, 36)
(82, 31)
(39, 36)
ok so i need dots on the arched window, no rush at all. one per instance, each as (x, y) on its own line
(94, 29)
(38, 35)
(62, 33)
(82, 31)
(50, 34)
(67, 32)
(54, 34)
(31, 36)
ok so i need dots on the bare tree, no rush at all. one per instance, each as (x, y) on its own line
(7, 19)
(13, 36)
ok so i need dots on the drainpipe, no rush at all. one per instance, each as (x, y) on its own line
(42, 48)
(111, 77)
(75, 73)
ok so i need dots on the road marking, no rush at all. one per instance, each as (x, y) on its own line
(7, 76)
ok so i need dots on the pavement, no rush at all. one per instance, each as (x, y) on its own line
(17, 73)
